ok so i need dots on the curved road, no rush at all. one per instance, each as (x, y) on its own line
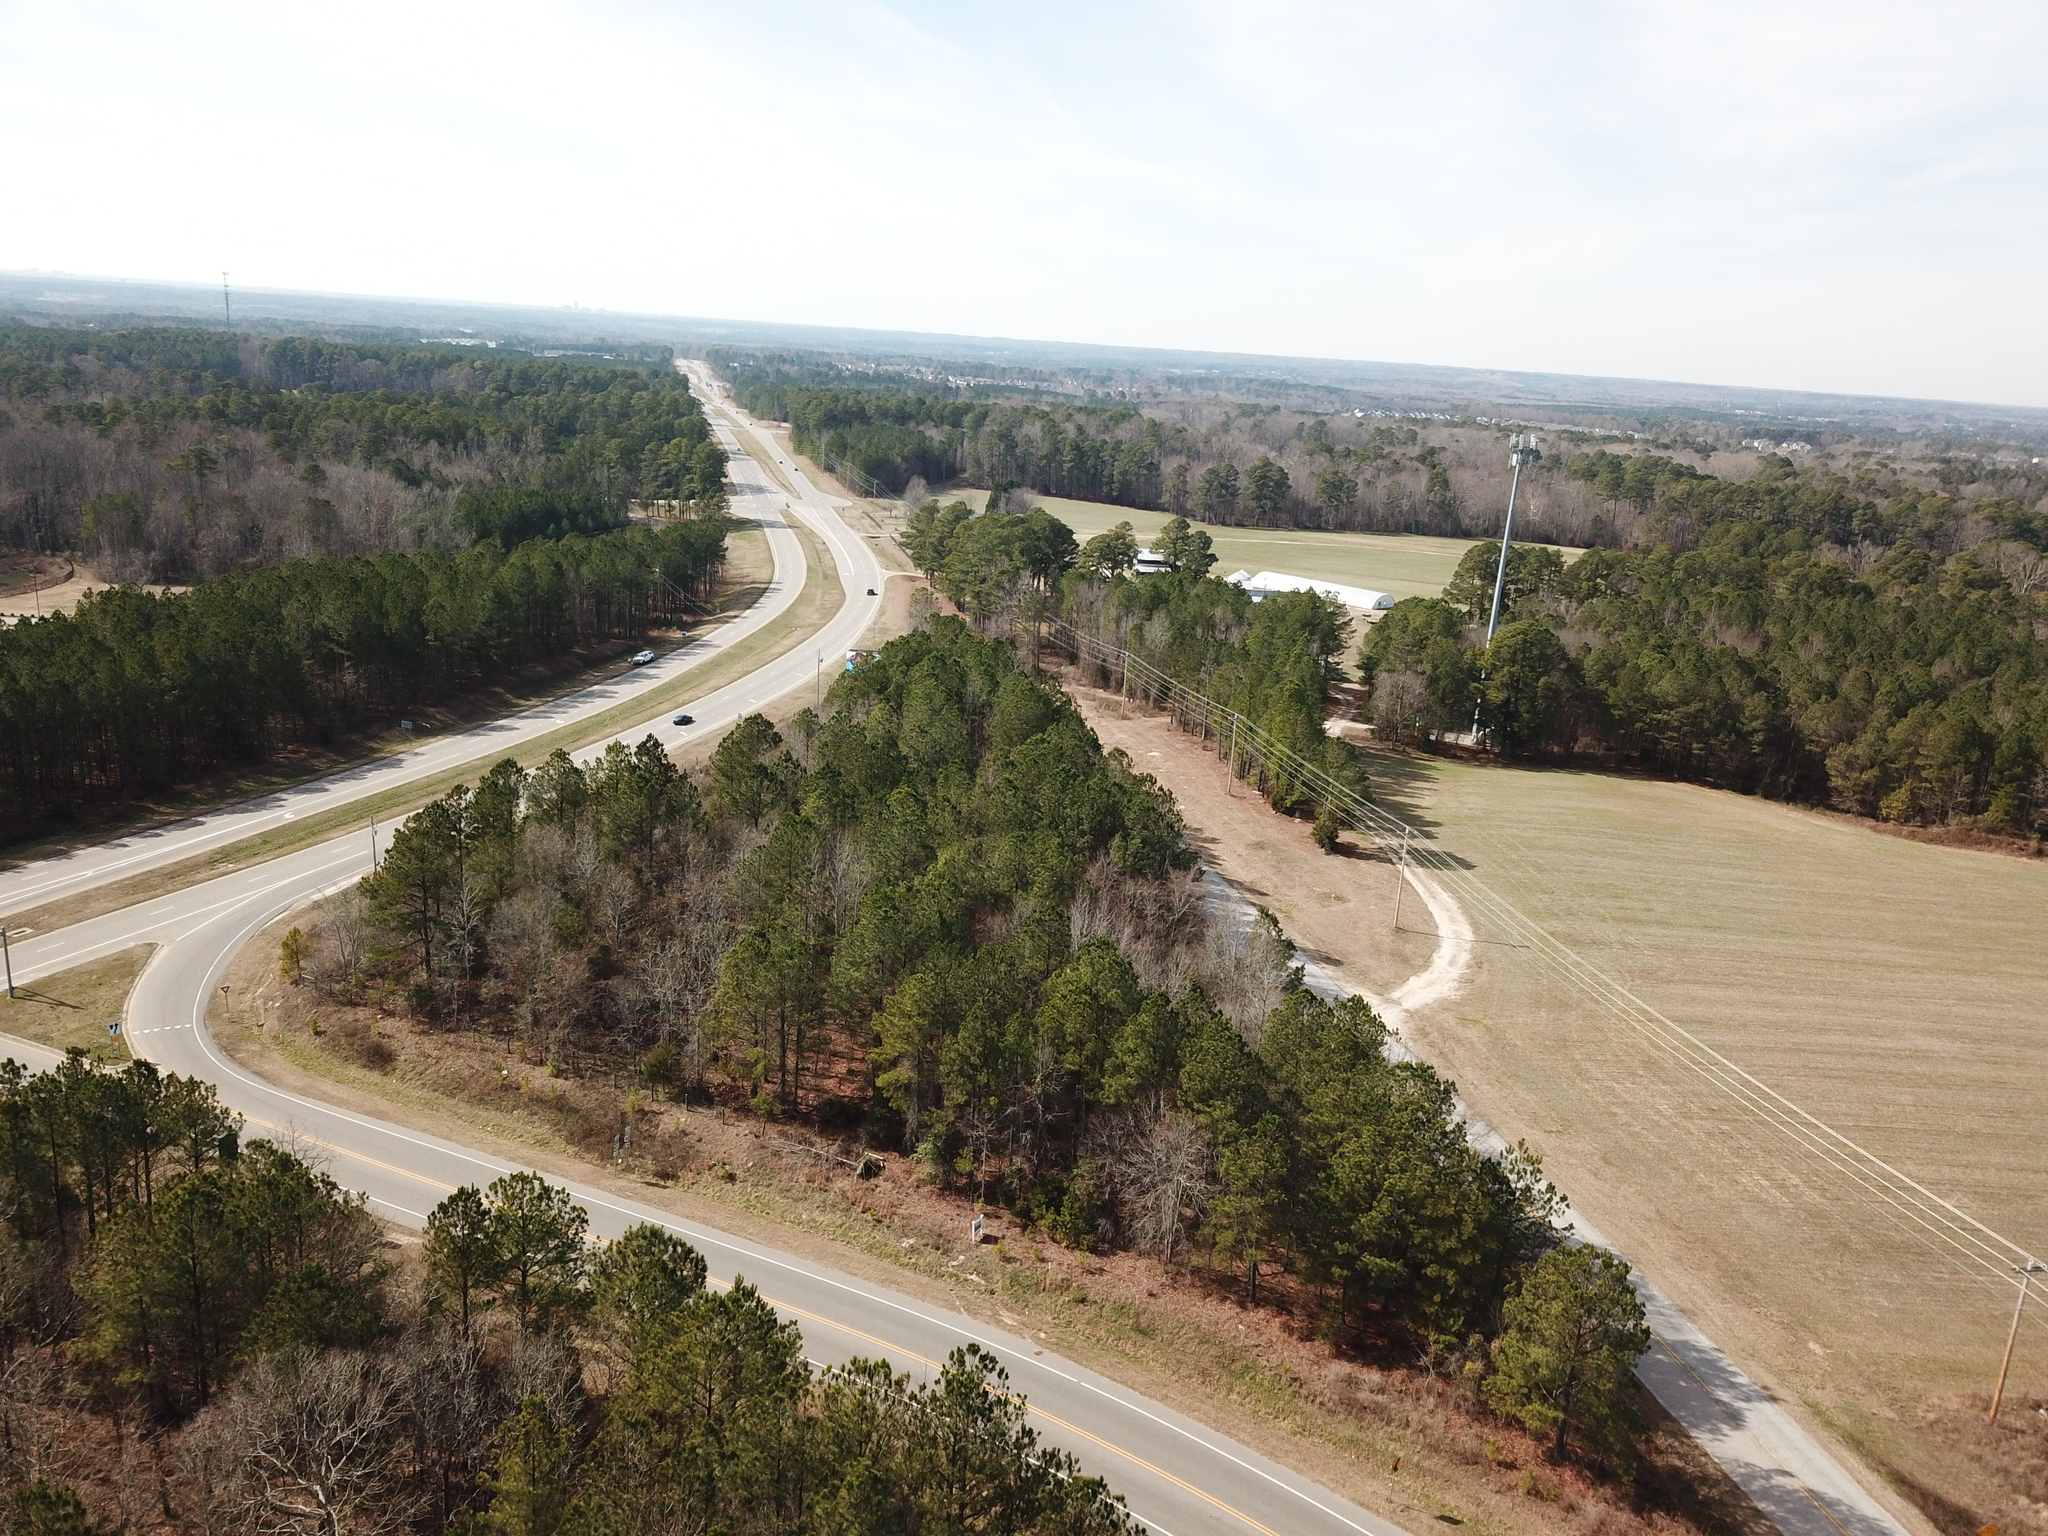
(1181, 1479)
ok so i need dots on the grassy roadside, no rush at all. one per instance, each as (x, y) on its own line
(72, 1007)
(819, 599)
(748, 569)
(1167, 1333)
(884, 537)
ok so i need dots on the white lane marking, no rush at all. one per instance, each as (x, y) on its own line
(93, 948)
(232, 823)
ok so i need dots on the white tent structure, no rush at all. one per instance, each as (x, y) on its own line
(1265, 583)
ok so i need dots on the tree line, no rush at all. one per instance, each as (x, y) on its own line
(1760, 658)
(201, 1334)
(1275, 662)
(135, 692)
(165, 454)
(941, 917)
(1226, 464)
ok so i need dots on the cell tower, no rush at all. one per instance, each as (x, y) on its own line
(226, 304)
(1521, 450)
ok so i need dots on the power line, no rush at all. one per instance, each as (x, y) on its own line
(1948, 1232)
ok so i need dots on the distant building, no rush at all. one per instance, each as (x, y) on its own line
(1264, 583)
(1150, 564)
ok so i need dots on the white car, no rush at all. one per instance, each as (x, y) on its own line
(641, 658)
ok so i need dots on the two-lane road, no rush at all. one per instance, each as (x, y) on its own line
(1181, 1479)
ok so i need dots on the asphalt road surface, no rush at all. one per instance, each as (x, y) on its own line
(755, 498)
(1180, 1479)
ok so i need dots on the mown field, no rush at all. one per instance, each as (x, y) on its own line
(1405, 564)
(1893, 989)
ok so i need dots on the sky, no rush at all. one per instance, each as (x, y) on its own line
(1812, 196)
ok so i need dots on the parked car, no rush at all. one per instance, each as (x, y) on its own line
(684, 720)
(641, 658)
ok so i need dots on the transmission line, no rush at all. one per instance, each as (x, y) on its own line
(1970, 1246)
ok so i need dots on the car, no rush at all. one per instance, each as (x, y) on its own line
(871, 591)
(641, 658)
(684, 720)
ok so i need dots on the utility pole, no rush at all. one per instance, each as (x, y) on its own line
(1401, 880)
(2026, 1272)
(1521, 450)
(227, 305)
(8, 955)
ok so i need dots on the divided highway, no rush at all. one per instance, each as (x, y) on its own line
(755, 499)
(1180, 1479)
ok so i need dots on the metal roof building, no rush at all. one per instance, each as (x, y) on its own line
(1265, 583)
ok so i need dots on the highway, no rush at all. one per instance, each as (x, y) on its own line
(755, 499)
(1180, 1479)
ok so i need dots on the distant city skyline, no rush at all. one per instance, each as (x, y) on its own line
(1814, 197)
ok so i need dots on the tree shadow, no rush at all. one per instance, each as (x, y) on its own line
(1401, 782)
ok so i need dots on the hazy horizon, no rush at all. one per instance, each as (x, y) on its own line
(1822, 199)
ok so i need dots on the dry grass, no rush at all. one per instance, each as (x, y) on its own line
(1177, 1335)
(1893, 989)
(72, 1007)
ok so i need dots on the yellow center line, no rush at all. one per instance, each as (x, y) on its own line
(361, 1157)
(1030, 1407)
(880, 1343)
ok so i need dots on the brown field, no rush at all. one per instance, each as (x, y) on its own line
(72, 1007)
(37, 586)
(1897, 991)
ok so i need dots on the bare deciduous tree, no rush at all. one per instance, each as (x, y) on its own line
(1399, 700)
(303, 1446)
(340, 938)
(1158, 1166)
(452, 1403)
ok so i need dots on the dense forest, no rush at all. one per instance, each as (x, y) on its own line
(1796, 641)
(168, 454)
(200, 1335)
(942, 919)
(139, 691)
(1249, 463)
(371, 529)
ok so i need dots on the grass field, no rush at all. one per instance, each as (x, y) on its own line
(1892, 989)
(72, 1007)
(1405, 564)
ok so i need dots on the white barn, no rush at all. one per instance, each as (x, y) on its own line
(1266, 582)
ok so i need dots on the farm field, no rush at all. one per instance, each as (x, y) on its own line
(1405, 564)
(1892, 989)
